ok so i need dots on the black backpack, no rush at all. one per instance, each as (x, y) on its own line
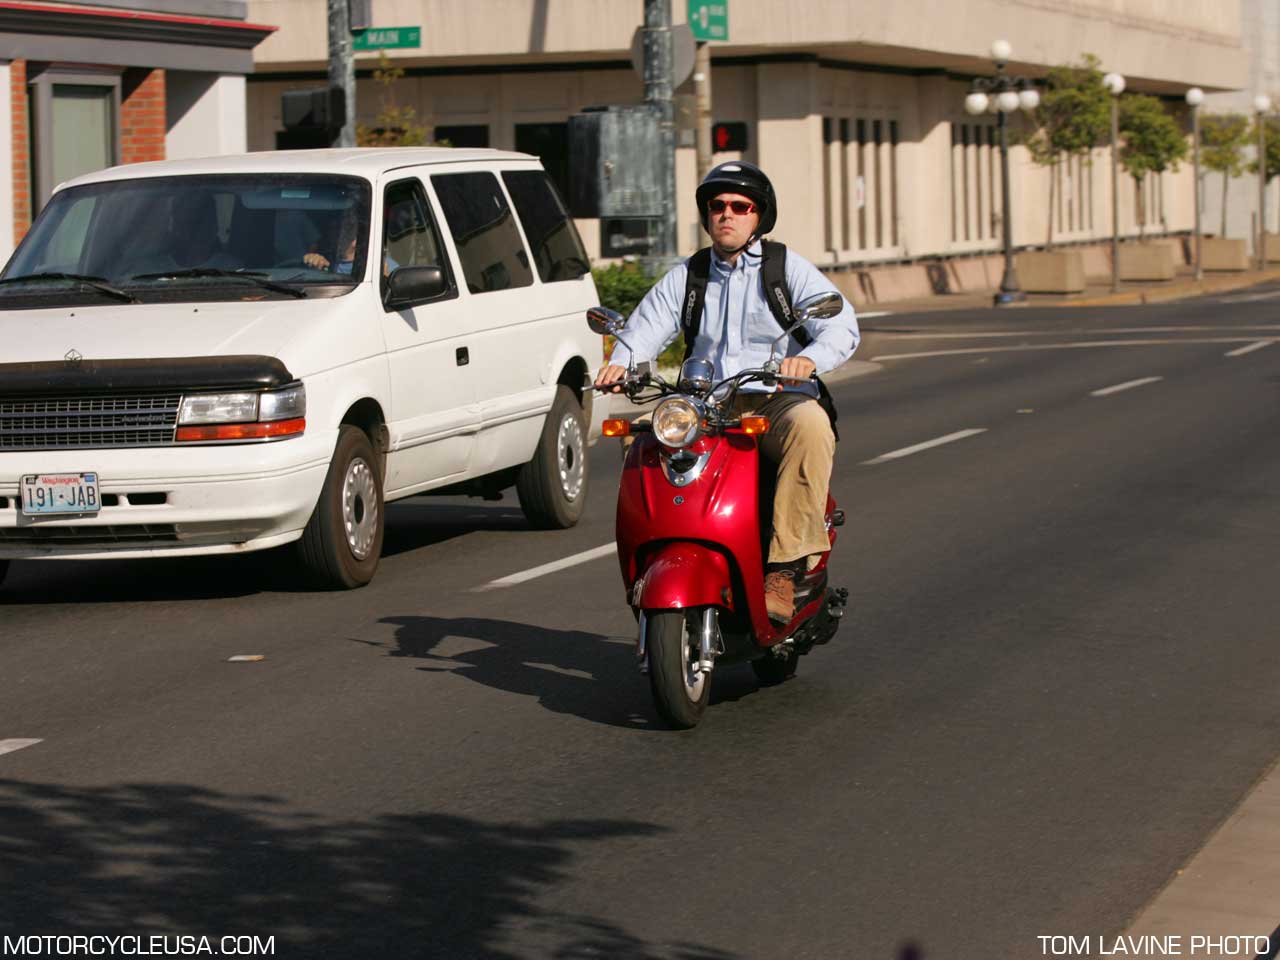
(773, 271)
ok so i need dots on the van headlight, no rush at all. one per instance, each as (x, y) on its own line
(676, 422)
(239, 416)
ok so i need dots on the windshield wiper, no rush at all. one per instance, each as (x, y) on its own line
(97, 283)
(252, 276)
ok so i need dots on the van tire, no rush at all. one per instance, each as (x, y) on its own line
(553, 485)
(342, 542)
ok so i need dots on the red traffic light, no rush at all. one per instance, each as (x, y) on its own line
(729, 136)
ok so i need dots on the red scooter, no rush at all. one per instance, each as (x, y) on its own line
(695, 511)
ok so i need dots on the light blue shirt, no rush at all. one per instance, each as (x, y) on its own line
(738, 328)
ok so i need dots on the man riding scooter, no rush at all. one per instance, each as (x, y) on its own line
(732, 302)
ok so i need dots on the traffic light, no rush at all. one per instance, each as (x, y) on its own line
(728, 136)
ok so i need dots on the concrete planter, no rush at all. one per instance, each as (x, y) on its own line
(1051, 271)
(1147, 261)
(1222, 253)
(1273, 248)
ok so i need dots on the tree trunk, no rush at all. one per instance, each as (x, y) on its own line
(1142, 208)
(1224, 204)
(1048, 240)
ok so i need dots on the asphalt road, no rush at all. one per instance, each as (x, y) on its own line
(1056, 679)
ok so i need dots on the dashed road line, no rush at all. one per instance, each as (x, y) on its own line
(1083, 345)
(1127, 385)
(1249, 349)
(927, 445)
(1075, 332)
(9, 746)
(546, 568)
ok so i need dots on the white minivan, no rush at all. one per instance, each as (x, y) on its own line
(223, 355)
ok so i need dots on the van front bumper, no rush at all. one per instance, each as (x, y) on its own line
(171, 501)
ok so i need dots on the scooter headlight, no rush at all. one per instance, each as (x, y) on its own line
(675, 422)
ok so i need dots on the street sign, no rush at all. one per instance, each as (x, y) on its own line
(709, 19)
(683, 51)
(386, 38)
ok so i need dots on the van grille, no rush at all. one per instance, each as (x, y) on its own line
(61, 423)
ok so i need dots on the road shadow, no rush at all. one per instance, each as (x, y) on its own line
(586, 675)
(419, 522)
(143, 859)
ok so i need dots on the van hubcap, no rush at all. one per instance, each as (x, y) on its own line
(571, 457)
(360, 508)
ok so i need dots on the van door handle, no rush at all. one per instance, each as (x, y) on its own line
(463, 357)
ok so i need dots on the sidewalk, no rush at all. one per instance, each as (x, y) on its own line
(1096, 294)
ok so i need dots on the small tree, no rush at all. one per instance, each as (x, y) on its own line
(1222, 138)
(1273, 148)
(1073, 117)
(394, 126)
(1153, 143)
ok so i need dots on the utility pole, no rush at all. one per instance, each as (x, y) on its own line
(342, 68)
(658, 66)
(702, 91)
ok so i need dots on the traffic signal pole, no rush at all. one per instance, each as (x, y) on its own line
(702, 93)
(342, 68)
(658, 89)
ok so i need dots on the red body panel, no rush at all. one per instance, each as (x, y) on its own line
(683, 575)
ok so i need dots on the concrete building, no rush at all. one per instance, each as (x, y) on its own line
(1260, 35)
(93, 85)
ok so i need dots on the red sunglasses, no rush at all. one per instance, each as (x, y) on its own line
(740, 207)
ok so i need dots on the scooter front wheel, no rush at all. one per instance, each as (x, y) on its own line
(680, 690)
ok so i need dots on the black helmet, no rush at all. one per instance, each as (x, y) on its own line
(738, 176)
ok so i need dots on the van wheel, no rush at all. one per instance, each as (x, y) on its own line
(342, 543)
(553, 485)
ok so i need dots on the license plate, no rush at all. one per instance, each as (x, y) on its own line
(52, 493)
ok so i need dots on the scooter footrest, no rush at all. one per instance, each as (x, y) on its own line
(837, 518)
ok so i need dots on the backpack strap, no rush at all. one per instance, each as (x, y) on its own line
(695, 297)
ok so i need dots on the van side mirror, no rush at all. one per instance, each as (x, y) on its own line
(409, 285)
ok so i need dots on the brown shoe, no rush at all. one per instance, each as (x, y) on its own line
(780, 595)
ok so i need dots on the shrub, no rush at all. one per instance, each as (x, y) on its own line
(621, 287)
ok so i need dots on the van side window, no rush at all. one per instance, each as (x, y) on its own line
(484, 230)
(557, 248)
(409, 238)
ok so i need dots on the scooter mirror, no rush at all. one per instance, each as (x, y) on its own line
(821, 306)
(602, 320)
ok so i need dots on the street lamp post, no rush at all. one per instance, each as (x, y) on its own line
(1115, 84)
(1262, 104)
(1004, 94)
(1195, 97)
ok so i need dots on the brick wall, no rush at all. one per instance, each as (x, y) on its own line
(21, 150)
(142, 116)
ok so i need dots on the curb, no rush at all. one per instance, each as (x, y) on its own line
(1175, 291)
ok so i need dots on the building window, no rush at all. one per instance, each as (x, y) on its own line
(472, 135)
(75, 126)
(860, 180)
(975, 178)
(550, 143)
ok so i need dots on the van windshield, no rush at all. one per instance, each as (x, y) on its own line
(213, 237)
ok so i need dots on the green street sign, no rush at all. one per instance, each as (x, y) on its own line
(384, 38)
(709, 19)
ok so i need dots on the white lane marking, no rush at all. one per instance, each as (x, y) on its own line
(874, 313)
(1127, 385)
(542, 571)
(1250, 297)
(1249, 349)
(1083, 345)
(8, 746)
(928, 444)
(1076, 331)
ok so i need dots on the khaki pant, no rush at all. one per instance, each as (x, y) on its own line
(801, 444)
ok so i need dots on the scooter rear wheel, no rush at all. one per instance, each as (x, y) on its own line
(680, 692)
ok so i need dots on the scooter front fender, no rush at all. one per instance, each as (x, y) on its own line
(684, 575)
